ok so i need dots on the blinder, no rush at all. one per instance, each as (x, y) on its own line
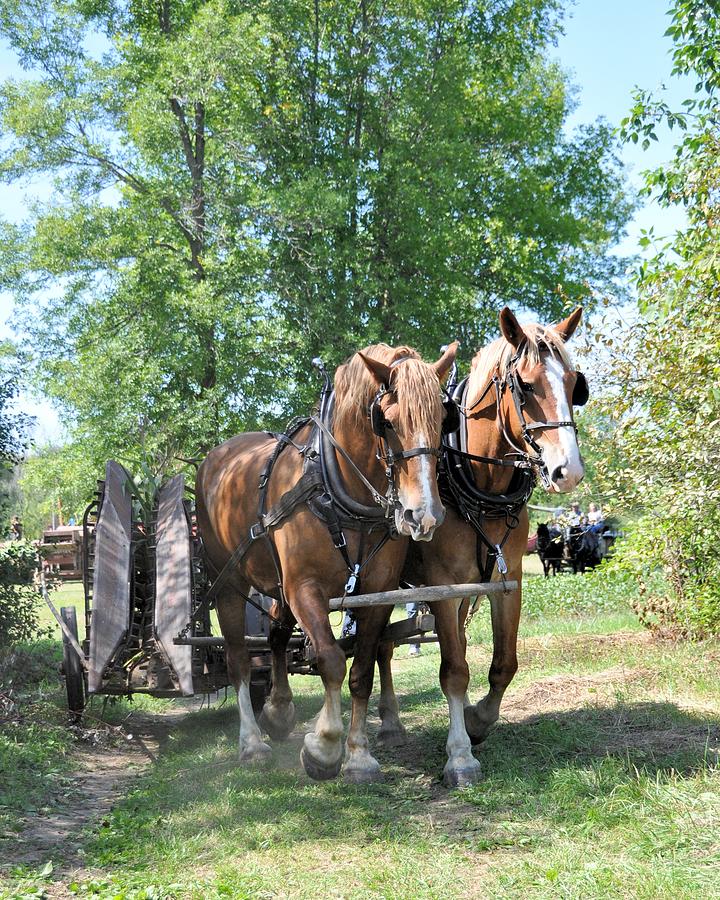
(378, 422)
(451, 422)
(581, 391)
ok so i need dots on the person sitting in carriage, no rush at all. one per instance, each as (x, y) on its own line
(595, 519)
(576, 516)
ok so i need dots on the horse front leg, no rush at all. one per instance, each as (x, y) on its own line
(278, 716)
(505, 615)
(360, 766)
(231, 615)
(461, 768)
(322, 751)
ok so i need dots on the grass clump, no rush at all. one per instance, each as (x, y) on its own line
(597, 591)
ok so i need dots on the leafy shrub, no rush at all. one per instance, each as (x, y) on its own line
(19, 597)
(664, 396)
(686, 601)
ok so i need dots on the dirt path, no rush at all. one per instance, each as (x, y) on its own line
(107, 762)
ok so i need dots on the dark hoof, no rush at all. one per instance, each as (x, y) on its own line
(460, 778)
(363, 776)
(392, 737)
(275, 728)
(319, 771)
(476, 728)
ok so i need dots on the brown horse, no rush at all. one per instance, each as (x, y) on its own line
(298, 562)
(531, 361)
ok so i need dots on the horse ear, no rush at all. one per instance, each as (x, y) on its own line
(379, 370)
(444, 364)
(510, 327)
(567, 327)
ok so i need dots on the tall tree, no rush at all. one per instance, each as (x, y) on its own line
(243, 185)
(668, 365)
(14, 431)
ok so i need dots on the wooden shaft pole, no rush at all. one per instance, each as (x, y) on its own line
(429, 594)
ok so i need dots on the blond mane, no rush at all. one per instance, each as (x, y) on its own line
(415, 384)
(494, 358)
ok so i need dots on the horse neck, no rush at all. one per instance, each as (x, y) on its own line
(361, 445)
(484, 438)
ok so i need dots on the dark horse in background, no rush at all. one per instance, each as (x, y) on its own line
(577, 547)
(582, 549)
(550, 548)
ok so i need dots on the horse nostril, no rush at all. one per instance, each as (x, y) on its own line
(558, 474)
(414, 516)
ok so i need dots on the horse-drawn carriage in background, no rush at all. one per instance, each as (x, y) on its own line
(148, 627)
(574, 548)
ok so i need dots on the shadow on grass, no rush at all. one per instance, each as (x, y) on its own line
(559, 761)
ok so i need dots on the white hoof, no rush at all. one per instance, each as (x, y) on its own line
(255, 752)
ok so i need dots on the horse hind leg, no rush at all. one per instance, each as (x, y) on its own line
(278, 716)
(231, 614)
(360, 765)
(392, 732)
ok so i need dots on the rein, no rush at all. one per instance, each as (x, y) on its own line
(386, 504)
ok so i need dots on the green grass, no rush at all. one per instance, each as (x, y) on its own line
(68, 593)
(600, 781)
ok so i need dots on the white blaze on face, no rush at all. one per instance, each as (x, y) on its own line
(565, 454)
(427, 499)
(426, 476)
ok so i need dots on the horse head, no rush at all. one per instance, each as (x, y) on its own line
(390, 412)
(544, 387)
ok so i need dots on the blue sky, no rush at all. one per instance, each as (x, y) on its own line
(609, 47)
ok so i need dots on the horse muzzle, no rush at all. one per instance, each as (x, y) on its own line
(566, 477)
(419, 523)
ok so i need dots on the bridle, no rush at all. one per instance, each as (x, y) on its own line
(380, 427)
(519, 391)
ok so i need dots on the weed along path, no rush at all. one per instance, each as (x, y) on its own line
(601, 780)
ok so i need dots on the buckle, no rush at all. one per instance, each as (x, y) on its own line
(257, 530)
(353, 579)
(500, 561)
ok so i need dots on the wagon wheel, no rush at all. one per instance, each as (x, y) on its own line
(72, 667)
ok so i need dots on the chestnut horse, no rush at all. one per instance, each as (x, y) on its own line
(300, 565)
(531, 361)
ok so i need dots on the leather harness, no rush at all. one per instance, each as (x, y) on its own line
(321, 488)
(456, 480)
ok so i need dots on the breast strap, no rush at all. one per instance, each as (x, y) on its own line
(458, 489)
